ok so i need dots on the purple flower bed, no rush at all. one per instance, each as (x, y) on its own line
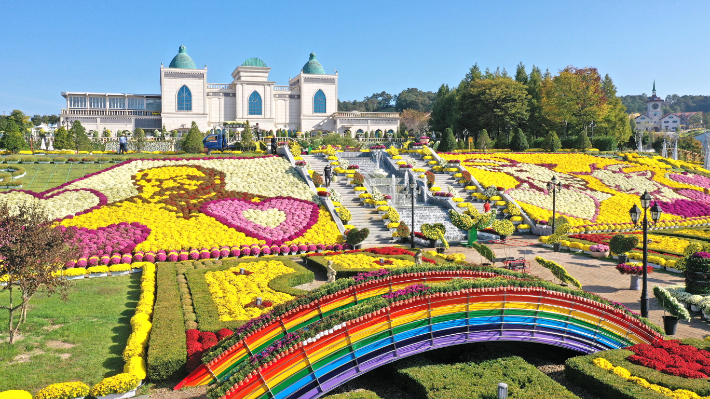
(365, 276)
(412, 289)
(696, 180)
(599, 248)
(701, 255)
(686, 208)
(695, 195)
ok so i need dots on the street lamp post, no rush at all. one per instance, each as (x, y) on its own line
(635, 214)
(412, 186)
(554, 186)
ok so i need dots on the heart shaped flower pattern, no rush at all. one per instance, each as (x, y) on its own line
(58, 205)
(274, 220)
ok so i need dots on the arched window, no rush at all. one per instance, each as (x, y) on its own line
(184, 100)
(255, 103)
(319, 102)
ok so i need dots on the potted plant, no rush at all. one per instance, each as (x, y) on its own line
(672, 306)
(74, 160)
(504, 228)
(403, 232)
(430, 178)
(12, 160)
(620, 244)
(431, 232)
(356, 236)
(44, 160)
(599, 251)
(635, 270)
(697, 273)
(60, 160)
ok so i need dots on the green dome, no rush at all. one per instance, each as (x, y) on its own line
(182, 60)
(313, 67)
(254, 62)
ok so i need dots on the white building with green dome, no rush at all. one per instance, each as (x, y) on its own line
(308, 103)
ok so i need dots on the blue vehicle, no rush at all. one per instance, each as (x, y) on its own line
(216, 142)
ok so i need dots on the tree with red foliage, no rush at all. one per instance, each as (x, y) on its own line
(32, 254)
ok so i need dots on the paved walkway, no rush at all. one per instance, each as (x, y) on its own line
(597, 276)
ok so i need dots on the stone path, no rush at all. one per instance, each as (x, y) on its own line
(597, 276)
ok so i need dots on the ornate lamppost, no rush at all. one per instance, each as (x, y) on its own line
(413, 187)
(635, 213)
(554, 186)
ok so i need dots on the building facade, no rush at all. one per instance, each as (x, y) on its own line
(656, 121)
(308, 103)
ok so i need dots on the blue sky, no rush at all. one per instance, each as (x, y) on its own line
(49, 46)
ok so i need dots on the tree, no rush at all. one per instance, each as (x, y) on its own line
(163, 133)
(36, 120)
(33, 252)
(616, 121)
(192, 143)
(78, 136)
(61, 139)
(414, 99)
(552, 142)
(443, 111)
(247, 137)
(106, 133)
(495, 104)
(174, 133)
(484, 142)
(413, 120)
(574, 98)
(520, 75)
(519, 142)
(13, 142)
(139, 140)
(448, 142)
(52, 119)
(582, 142)
(536, 120)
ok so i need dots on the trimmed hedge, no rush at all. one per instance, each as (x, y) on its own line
(479, 379)
(167, 348)
(605, 384)
(359, 394)
(321, 263)
(205, 307)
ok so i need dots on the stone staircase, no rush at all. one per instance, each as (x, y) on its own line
(362, 216)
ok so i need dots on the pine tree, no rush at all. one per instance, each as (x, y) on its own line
(552, 142)
(247, 137)
(78, 137)
(106, 133)
(462, 144)
(582, 142)
(519, 142)
(484, 142)
(192, 144)
(448, 142)
(163, 133)
(61, 139)
(139, 140)
(501, 141)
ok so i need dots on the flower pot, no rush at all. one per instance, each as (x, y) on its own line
(556, 247)
(600, 255)
(547, 245)
(432, 243)
(128, 394)
(524, 231)
(92, 275)
(59, 162)
(357, 246)
(670, 323)
(635, 283)
(575, 250)
(121, 273)
(694, 308)
(670, 269)
(622, 258)
(655, 266)
(79, 277)
(440, 250)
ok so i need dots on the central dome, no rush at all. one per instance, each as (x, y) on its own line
(313, 67)
(254, 62)
(182, 60)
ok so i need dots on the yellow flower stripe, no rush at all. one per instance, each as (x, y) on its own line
(361, 261)
(231, 292)
(626, 374)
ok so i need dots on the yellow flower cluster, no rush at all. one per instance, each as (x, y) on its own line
(63, 390)
(362, 261)
(456, 257)
(232, 292)
(695, 233)
(667, 243)
(626, 374)
(120, 383)
(134, 353)
(97, 269)
(121, 267)
(15, 394)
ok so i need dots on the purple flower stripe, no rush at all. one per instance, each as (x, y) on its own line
(406, 291)
(695, 195)
(695, 180)
(685, 208)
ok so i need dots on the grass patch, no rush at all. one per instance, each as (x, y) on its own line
(91, 327)
(359, 394)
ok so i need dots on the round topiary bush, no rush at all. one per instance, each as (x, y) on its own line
(697, 274)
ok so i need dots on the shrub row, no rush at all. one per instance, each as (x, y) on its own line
(167, 348)
(320, 262)
(204, 305)
(604, 384)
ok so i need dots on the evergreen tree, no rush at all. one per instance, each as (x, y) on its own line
(582, 142)
(174, 133)
(61, 139)
(536, 121)
(12, 140)
(502, 141)
(552, 142)
(519, 142)
(247, 137)
(520, 74)
(448, 142)
(139, 140)
(484, 142)
(106, 133)
(462, 144)
(163, 133)
(192, 144)
(78, 137)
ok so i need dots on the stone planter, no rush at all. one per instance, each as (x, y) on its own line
(575, 250)
(655, 266)
(43, 162)
(104, 161)
(79, 277)
(547, 245)
(670, 269)
(122, 273)
(93, 275)
(59, 163)
(74, 162)
(635, 283)
(587, 252)
(12, 161)
(125, 395)
(694, 308)
(600, 255)
(524, 231)
(705, 315)
(136, 271)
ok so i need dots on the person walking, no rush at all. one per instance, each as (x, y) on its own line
(123, 144)
(487, 206)
(327, 173)
(273, 144)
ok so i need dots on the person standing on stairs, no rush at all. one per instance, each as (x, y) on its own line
(273, 144)
(487, 206)
(326, 173)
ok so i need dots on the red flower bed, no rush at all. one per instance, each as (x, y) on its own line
(200, 342)
(672, 357)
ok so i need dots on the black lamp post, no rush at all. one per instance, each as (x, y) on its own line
(554, 186)
(413, 187)
(635, 214)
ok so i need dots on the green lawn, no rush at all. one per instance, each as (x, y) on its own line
(95, 320)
